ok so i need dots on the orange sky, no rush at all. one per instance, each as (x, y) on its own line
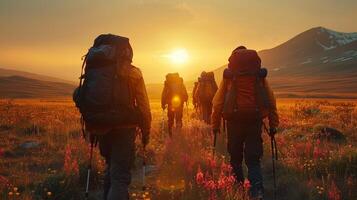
(49, 37)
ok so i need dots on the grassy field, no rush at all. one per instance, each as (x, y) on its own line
(43, 155)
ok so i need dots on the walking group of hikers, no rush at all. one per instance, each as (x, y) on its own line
(114, 105)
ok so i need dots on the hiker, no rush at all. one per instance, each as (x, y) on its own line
(114, 104)
(173, 97)
(206, 89)
(194, 99)
(244, 99)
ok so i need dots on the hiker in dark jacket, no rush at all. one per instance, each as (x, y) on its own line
(244, 99)
(118, 144)
(173, 97)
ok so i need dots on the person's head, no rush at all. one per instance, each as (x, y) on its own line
(203, 73)
(239, 48)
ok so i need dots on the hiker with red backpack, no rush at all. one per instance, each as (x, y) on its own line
(174, 96)
(113, 102)
(244, 99)
(206, 89)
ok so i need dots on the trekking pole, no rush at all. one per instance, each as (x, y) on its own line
(225, 127)
(274, 157)
(144, 168)
(92, 138)
(214, 143)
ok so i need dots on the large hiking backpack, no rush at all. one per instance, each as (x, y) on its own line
(104, 96)
(175, 88)
(207, 87)
(246, 95)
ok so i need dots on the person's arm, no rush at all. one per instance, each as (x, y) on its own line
(142, 101)
(164, 97)
(194, 100)
(218, 103)
(273, 111)
(185, 94)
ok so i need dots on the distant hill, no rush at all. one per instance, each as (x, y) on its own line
(316, 63)
(23, 87)
(9, 72)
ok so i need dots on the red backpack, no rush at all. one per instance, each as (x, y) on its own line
(246, 95)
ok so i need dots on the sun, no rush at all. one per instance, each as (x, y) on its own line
(179, 56)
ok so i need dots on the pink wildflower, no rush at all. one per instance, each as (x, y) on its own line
(334, 193)
(70, 164)
(199, 176)
(212, 163)
(210, 185)
(246, 184)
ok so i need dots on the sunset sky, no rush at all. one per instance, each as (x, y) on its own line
(50, 36)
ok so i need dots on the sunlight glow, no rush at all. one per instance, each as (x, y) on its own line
(176, 102)
(179, 56)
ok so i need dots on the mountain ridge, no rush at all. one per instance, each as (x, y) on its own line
(316, 62)
(11, 72)
(23, 87)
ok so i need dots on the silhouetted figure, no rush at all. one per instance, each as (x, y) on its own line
(173, 97)
(244, 99)
(194, 99)
(206, 89)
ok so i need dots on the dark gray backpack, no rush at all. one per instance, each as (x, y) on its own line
(104, 97)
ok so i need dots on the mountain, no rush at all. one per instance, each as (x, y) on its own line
(316, 50)
(316, 63)
(23, 87)
(10, 72)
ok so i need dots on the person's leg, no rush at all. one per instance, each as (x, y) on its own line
(205, 112)
(201, 111)
(209, 112)
(121, 159)
(106, 182)
(171, 118)
(235, 149)
(179, 115)
(253, 152)
(105, 147)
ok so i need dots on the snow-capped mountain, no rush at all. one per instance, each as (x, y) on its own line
(317, 47)
(318, 62)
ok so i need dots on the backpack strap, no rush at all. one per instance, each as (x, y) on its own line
(83, 129)
(82, 71)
